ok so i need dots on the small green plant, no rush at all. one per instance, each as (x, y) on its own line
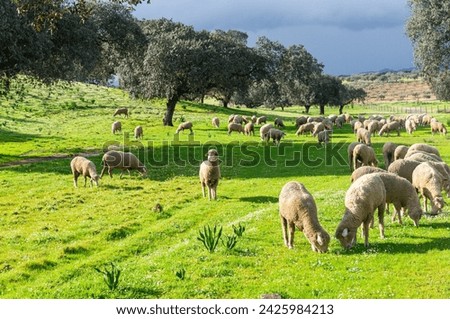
(181, 273)
(210, 237)
(110, 276)
(239, 230)
(230, 241)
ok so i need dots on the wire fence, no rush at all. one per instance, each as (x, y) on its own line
(396, 109)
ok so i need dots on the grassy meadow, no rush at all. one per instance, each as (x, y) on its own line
(53, 235)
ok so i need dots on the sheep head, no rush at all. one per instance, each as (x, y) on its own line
(438, 204)
(95, 179)
(213, 155)
(346, 236)
(320, 241)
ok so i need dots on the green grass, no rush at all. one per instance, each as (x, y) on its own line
(53, 236)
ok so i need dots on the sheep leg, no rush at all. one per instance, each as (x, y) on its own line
(284, 226)
(291, 235)
(203, 189)
(85, 178)
(75, 178)
(381, 219)
(209, 192)
(398, 213)
(103, 171)
(365, 232)
(214, 192)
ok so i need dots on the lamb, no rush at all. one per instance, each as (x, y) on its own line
(121, 160)
(388, 127)
(83, 166)
(402, 194)
(403, 168)
(235, 127)
(249, 128)
(275, 134)
(116, 127)
(215, 122)
(120, 111)
(185, 126)
(364, 170)
(429, 183)
(261, 119)
(438, 127)
(410, 126)
(400, 152)
(365, 155)
(388, 153)
(363, 136)
(298, 209)
(422, 147)
(362, 198)
(264, 129)
(138, 132)
(278, 123)
(350, 149)
(324, 137)
(307, 127)
(210, 174)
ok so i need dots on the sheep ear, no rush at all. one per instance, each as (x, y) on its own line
(345, 232)
(319, 239)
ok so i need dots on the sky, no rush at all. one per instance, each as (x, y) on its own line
(347, 36)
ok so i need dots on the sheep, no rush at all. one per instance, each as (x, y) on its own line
(185, 126)
(253, 119)
(363, 136)
(278, 123)
(307, 127)
(275, 134)
(365, 155)
(401, 193)
(350, 149)
(215, 122)
(231, 118)
(423, 157)
(264, 129)
(238, 119)
(388, 153)
(429, 183)
(361, 199)
(116, 127)
(300, 121)
(235, 127)
(373, 127)
(83, 166)
(339, 122)
(120, 111)
(318, 127)
(261, 119)
(121, 160)
(403, 168)
(400, 152)
(210, 174)
(138, 132)
(249, 128)
(438, 127)
(388, 127)
(324, 137)
(356, 125)
(298, 209)
(410, 126)
(424, 148)
(364, 170)
(427, 119)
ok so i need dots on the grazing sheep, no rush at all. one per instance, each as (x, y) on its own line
(307, 127)
(365, 155)
(318, 127)
(389, 127)
(356, 126)
(298, 208)
(116, 127)
(123, 161)
(350, 149)
(339, 122)
(438, 127)
(324, 137)
(423, 157)
(185, 126)
(261, 119)
(235, 127)
(363, 136)
(210, 174)
(275, 134)
(264, 129)
(278, 123)
(362, 198)
(429, 183)
(238, 119)
(254, 119)
(249, 128)
(400, 152)
(120, 111)
(403, 168)
(138, 132)
(410, 126)
(427, 119)
(373, 127)
(364, 170)
(388, 153)
(231, 118)
(422, 147)
(215, 122)
(83, 166)
(300, 121)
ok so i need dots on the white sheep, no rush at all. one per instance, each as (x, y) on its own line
(215, 122)
(275, 134)
(388, 153)
(324, 137)
(318, 127)
(438, 127)
(364, 170)
(235, 127)
(410, 126)
(138, 132)
(261, 120)
(423, 157)
(264, 129)
(363, 136)
(389, 127)
(300, 121)
(350, 149)
(185, 126)
(120, 111)
(116, 127)
(400, 152)
(363, 197)
(278, 123)
(304, 128)
(422, 147)
(365, 155)
(298, 209)
(121, 160)
(83, 166)
(210, 174)
(249, 128)
(404, 168)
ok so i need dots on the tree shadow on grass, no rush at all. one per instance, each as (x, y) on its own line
(260, 199)
(7, 136)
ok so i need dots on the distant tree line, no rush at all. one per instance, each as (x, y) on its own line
(90, 41)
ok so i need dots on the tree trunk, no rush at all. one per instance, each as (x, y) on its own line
(341, 108)
(171, 103)
(307, 107)
(322, 109)
(225, 103)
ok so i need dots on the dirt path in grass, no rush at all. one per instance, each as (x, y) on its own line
(40, 159)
